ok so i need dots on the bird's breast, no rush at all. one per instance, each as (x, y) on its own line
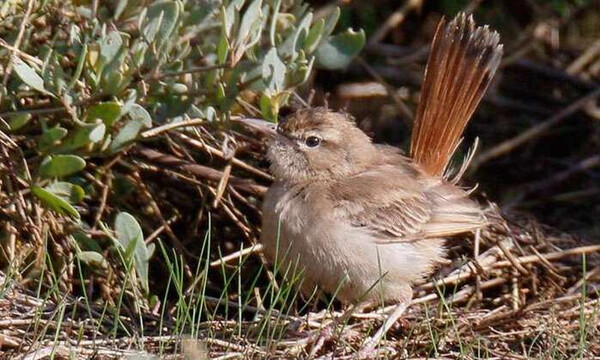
(300, 229)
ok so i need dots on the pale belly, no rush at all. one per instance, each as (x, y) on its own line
(316, 249)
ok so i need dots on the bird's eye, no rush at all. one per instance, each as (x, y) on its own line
(312, 141)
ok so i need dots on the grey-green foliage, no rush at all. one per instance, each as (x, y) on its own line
(29, 76)
(60, 197)
(130, 241)
(103, 76)
(61, 165)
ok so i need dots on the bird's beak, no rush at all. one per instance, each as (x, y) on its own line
(266, 128)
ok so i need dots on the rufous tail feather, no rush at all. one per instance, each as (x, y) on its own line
(461, 65)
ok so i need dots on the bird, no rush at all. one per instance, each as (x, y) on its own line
(364, 221)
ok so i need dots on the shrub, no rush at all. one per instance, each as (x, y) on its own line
(87, 90)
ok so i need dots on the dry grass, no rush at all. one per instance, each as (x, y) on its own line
(529, 294)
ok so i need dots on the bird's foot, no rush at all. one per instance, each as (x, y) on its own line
(330, 333)
(368, 349)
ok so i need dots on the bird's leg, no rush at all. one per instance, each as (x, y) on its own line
(372, 342)
(327, 333)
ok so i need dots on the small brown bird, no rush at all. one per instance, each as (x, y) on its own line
(360, 220)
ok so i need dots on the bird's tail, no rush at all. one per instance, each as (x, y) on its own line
(461, 65)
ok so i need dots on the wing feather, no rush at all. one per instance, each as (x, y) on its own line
(402, 208)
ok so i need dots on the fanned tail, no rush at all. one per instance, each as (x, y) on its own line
(461, 65)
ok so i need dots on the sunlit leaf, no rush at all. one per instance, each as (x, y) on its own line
(137, 112)
(140, 119)
(164, 15)
(151, 28)
(61, 165)
(50, 137)
(108, 112)
(84, 135)
(222, 49)
(331, 22)
(121, 6)
(70, 192)
(59, 196)
(299, 75)
(294, 42)
(273, 72)
(92, 259)
(314, 37)
(228, 14)
(268, 108)
(110, 46)
(338, 51)
(251, 17)
(29, 76)
(17, 122)
(274, 16)
(131, 239)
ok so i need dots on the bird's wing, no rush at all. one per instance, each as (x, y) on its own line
(397, 207)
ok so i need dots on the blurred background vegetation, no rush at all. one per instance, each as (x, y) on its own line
(120, 155)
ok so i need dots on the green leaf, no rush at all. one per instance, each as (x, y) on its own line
(128, 230)
(228, 15)
(127, 134)
(81, 62)
(273, 27)
(220, 94)
(208, 113)
(108, 112)
(304, 27)
(121, 6)
(138, 53)
(273, 72)
(110, 46)
(268, 108)
(249, 31)
(314, 37)
(300, 73)
(251, 17)
(85, 242)
(54, 76)
(331, 22)
(211, 113)
(169, 14)
(137, 112)
(19, 121)
(113, 82)
(84, 135)
(29, 76)
(50, 137)
(92, 259)
(96, 133)
(61, 165)
(70, 192)
(222, 49)
(294, 41)
(151, 28)
(140, 119)
(131, 237)
(150, 248)
(339, 51)
(59, 196)
(178, 88)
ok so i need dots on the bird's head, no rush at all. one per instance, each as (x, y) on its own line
(317, 144)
